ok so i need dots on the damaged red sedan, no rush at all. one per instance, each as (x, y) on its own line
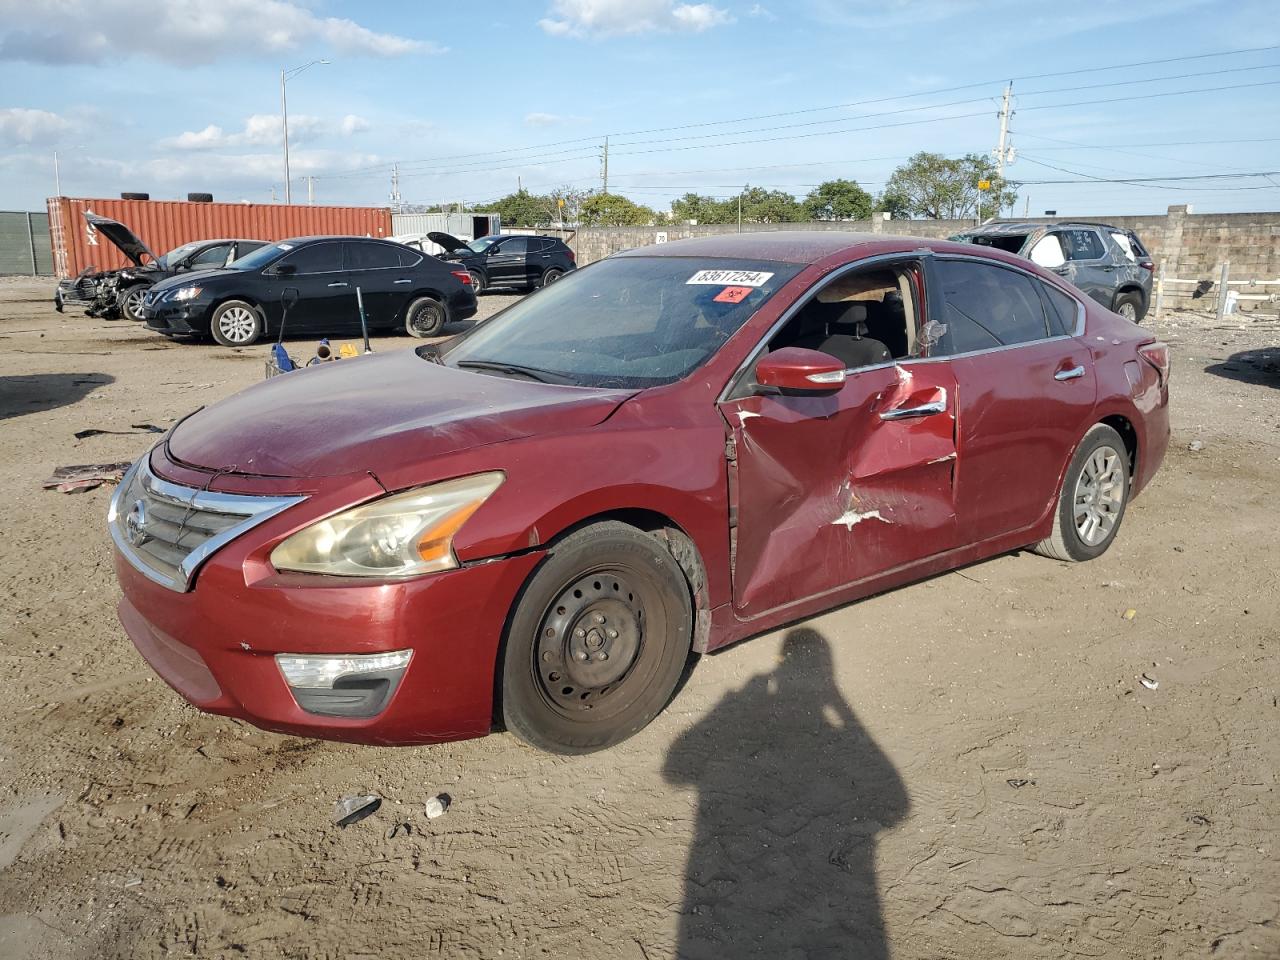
(536, 524)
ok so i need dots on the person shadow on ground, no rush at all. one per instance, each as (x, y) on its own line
(791, 794)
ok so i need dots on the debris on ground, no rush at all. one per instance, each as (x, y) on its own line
(85, 476)
(354, 808)
(396, 829)
(1195, 446)
(1151, 683)
(133, 428)
(437, 805)
(1129, 614)
(1199, 819)
(1018, 783)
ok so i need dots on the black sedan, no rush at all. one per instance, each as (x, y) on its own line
(400, 287)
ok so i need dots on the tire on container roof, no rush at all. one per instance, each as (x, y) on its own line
(200, 197)
(135, 196)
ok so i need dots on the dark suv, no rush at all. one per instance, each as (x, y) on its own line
(1108, 263)
(236, 306)
(510, 261)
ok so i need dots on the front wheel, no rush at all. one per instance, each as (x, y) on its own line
(236, 324)
(477, 282)
(130, 303)
(424, 318)
(1091, 504)
(597, 642)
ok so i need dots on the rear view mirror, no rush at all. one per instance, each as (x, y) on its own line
(795, 370)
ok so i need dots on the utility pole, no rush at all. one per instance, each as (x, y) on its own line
(285, 77)
(57, 177)
(1004, 153)
(605, 175)
(395, 186)
(311, 190)
(740, 193)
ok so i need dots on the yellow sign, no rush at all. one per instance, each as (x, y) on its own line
(560, 202)
(984, 184)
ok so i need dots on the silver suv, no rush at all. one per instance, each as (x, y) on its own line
(1108, 263)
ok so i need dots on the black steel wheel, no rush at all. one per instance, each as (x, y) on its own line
(424, 318)
(598, 640)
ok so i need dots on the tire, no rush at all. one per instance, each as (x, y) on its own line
(130, 301)
(1102, 456)
(608, 589)
(1130, 306)
(236, 324)
(135, 196)
(477, 282)
(551, 276)
(200, 198)
(424, 318)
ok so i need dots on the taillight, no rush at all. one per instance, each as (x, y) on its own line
(1147, 265)
(573, 257)
(463, 276)
(1157, 354)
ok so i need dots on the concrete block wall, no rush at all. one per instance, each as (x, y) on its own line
(1190, 246)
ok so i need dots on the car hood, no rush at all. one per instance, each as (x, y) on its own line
(120, 236)
(193, 276)
(447, 240)
(380, 414)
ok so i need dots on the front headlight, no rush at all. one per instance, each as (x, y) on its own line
(186, 293)
(404, 535)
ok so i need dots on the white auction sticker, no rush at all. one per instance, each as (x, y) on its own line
(736, 278)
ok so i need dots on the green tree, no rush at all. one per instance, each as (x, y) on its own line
(768, 206)
(522, 209)
(614, 210)
(838, 200)
(935, 187)
(692, 206)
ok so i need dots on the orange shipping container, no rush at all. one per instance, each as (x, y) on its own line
(165, 224)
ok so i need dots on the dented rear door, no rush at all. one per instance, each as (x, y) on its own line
(837, 489)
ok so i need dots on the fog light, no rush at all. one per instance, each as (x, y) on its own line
(356, 685)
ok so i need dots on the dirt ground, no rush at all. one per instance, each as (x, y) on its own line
(967, 767)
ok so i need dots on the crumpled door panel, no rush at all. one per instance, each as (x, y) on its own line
(828, 492)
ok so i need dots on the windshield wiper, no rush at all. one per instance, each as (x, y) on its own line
(533, 373)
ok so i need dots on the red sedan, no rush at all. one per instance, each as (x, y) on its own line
(539, 522)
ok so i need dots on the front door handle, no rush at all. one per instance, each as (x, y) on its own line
(924, 410)
(1074, 373)
(402, 281)
(338, 284)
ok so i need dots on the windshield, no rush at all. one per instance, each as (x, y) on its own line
(261, 257)
(177, 254)
(627, 322)
(481, 244)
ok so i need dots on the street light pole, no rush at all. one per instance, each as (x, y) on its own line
(285, 76)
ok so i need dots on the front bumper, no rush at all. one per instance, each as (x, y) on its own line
(216, 644)
(182, 319)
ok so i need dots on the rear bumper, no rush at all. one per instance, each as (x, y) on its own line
(216, 644)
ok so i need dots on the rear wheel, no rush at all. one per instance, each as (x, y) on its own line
(1092, 502)
(597, 642)
(236, 324)
(424, 318)
(551, 276)
(477, 282)
(130, 303)
(1129, 306)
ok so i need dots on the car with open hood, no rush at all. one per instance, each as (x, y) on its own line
(118, 293)
(515, 260)
(327, 283)
(539, 523)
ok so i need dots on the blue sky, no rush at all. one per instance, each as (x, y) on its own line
(183, 95)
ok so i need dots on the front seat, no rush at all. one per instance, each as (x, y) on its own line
(844, 336)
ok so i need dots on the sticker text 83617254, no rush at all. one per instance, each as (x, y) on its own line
(739, 278)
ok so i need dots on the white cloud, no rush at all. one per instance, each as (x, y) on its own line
(760, 12)
(19, 125)
(182, 31)
(601, 18)
(264, 129)
(542, 119)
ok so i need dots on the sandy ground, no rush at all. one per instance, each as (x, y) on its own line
(965, 767)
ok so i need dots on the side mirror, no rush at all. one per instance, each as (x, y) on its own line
(795, 370)
(491, 251)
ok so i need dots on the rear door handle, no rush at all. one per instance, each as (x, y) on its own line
(924, 410)
(1074, 373)
(402, 281)
(338, 284)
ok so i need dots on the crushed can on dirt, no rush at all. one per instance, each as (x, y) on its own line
(355, 808)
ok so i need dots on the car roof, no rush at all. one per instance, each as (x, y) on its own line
(1008, 227)
(327, 236)
(791, 246)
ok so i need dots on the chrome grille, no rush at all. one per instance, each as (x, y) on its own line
(167, 530)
